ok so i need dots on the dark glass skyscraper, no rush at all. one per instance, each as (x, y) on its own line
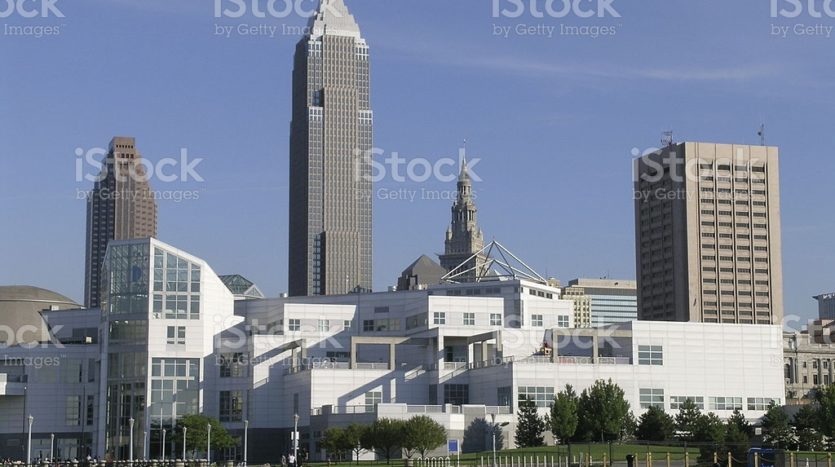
(330, 136)
(120, 207)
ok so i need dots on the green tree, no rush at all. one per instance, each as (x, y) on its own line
(384, 436)
(197, 427)
(710, 432)
(563, 419)
(806, 424)
(825, 397)
(529, 426)
(655, 425)
(737, 438)
(335, 441)
(602, 410)
(687, 419)
(422, 434)
(630, 426)
(353, 436)
(776, 430)
(741, 423)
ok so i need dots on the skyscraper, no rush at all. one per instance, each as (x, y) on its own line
(330, 138)
(464, 238)
(120, 207)
(708, 242)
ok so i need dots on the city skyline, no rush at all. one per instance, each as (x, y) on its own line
(504, 161)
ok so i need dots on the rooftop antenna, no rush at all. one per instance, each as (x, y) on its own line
(667, 138)
(761, 134)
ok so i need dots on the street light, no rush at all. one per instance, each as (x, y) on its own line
(209, 443)
(51, 446)
(145, 453)
(246, 440)
(31, 420)
(185, 429)
(163, 444)
(296, 437)
(495, 427)
(130, 441)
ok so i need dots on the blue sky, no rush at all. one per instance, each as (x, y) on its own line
(553, 121)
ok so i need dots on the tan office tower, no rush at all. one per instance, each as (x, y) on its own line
(120, 207)
(330, 139)
(708, 243)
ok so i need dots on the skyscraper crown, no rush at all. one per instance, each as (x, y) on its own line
(333, 18)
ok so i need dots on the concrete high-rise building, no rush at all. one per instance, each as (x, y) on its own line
(120, 207)
(330, 141)
(826, 306)
(464, 238)
(707, 220)
(601, 302)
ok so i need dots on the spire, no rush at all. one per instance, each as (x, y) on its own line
(333, 18)
(464, 176)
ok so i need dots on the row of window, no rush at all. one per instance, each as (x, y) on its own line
(653, 397)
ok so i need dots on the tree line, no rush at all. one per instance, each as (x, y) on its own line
(386, 437)
(602, 413)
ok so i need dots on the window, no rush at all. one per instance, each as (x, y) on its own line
(495, 319)
(324, 325)
(562, 321)
(294, 324)
(536, 321)
(232, 365)
(346, 324)
(652, 398)
(469, 319)
(761, 403)
(440, 317)
(381, 309)
(231, 406)
(368, 325)
(504, 395)
(650, 355)
(372, 398)
(176, 335)
(456, 394)
(91, 410)
(73, 414)
(725, 403)
(542, 396)
(677, 401)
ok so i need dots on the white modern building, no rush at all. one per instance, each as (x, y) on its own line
(172, 340)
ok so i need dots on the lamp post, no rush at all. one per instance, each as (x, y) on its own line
(494, 428)
(163, 444)
(31, 420)
(185, 429)
(130, 440)
(51, 446)
(145, 453)
(209, 443)
(246, 439)
(296, 437)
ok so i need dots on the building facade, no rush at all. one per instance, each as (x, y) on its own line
(601, 302)
(330, 169)
(120, 207)
(708, 236)
(826, 306)
(172, 340)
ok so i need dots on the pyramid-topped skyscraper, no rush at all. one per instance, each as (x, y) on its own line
(330, 135)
